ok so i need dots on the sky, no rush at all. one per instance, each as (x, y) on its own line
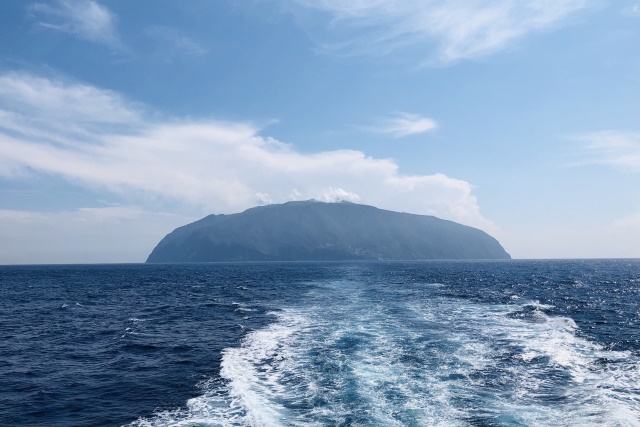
(121, 120)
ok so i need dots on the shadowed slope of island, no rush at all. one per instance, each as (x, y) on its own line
(317, 231)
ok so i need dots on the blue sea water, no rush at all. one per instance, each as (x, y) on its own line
(504, 343)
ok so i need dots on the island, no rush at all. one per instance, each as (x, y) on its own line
(318, 231)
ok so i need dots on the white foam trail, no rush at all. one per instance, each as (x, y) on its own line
(255, 371)
(437, 362)
(546, 346)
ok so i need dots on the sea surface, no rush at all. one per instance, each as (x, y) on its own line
(502, 343)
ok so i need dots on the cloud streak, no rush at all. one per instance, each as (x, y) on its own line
(445, 30)
(172, 41)
(86, 19)
(107, 142)
(613, 148)
(404, 124)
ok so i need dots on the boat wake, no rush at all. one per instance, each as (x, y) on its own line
(348, 358)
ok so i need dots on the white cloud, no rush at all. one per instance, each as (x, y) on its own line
(447, 30)
(263, 199)
(619, 149)
(331, 195)
(216, 166)
(404, 124)
(86, 19)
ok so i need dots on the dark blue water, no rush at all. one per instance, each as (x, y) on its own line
(513, 343)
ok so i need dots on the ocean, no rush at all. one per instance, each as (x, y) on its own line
(437, 343)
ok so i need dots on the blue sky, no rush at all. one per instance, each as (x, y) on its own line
(122, 120)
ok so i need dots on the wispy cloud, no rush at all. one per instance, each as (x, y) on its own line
(445, 30)
(57, 100)
(632, 11)
(217, 166)
(86, 19)
(173, 41)
(404, 124)
(618, 149)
